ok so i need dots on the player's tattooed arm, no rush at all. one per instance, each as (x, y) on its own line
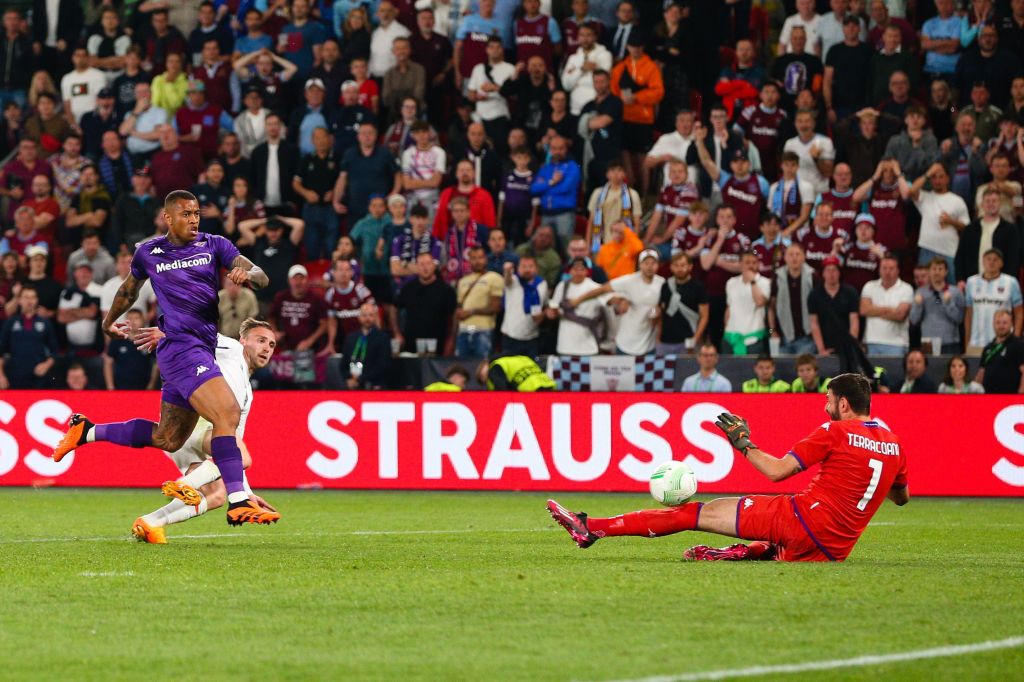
(243, 270)
(125, 297)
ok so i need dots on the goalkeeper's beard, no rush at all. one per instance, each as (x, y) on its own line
(834, 416)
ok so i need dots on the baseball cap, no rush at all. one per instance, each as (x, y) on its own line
(830, 260)
(347, 84)
(396, 199)
(579, 261)
(142, 171)
(37, 250)
(864, 218)
(253, 88)
(648, 253)
(315, 83)
(740, 155)
(196, 85)
(296, 270)
(106, 93)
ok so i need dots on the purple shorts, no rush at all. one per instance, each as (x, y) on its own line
(185, 365)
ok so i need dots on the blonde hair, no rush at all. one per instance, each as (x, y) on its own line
(250, 323)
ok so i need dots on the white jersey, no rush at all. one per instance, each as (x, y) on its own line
(985, 297)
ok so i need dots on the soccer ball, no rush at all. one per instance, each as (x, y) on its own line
(673, 483)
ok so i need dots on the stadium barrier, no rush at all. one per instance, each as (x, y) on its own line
(957, 445)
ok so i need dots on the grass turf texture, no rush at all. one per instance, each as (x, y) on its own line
(370, 586)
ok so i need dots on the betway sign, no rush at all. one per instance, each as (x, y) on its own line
(963, 445)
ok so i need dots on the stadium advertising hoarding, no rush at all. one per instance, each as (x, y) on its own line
(963, 445)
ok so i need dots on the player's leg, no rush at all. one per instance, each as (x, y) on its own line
(189, 486)
(721, 516)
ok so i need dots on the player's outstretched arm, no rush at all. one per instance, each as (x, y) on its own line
(774, 468)
(243, 270)
(899, 496)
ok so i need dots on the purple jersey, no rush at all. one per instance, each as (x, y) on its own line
(186, 280)
(515, 192)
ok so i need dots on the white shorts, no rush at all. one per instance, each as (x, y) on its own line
(192, 451)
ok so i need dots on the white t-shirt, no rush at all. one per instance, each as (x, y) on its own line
(80, 89)
(676, 146)
(574, 338)
(877, 330)
(985, 297)
(109, 290)
(934, 236)
(493, 105)
(381, 42)
(420, 164)
(808, 166)
(638, 331)
(519, 324)
(744, 316)
(580, 83)
(80, 332)
(811, 27)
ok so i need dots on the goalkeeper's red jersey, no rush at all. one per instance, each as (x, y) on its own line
(860, 462)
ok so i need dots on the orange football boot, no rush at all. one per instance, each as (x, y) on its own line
(250, 512)
(144, 532)
(181, 491)
(74, 437)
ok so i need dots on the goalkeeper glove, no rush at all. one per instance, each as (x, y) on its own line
(736, 430)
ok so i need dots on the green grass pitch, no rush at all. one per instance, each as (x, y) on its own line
(482, 586)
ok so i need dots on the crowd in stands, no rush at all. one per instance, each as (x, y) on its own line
(469, 177)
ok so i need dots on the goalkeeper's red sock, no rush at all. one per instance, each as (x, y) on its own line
(649, 523)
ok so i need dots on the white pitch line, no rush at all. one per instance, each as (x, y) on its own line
(106, 574)
(857, 662)
(119, 538)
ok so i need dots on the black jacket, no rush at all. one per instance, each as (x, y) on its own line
(288, 161)
(923, 384)
(70, 22)
(1006, 238)
(375, 357)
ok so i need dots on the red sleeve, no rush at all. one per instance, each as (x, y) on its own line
(486, 204)
(814, 448)
(901, 474)
(441, 217)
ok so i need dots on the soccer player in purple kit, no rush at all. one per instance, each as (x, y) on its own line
(184, 267)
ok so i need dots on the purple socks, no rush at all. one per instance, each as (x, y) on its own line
(135, 433)
(229, 460)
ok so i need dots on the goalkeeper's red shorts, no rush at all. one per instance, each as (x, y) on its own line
(774, 519)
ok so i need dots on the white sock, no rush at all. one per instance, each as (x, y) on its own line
(90, 435)
(206, 472)
(175, 511)
(238, 497)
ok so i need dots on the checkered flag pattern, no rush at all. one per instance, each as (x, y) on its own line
(570, 372)
(655, 373)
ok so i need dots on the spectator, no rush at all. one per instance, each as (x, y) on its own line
(747, 296)
(674, 206)
(484, 88)
(625, 26)
(943, 216)
(47, 289)
(742, 191)
(487, 163)
(899, 100)
(707, 379)
(115, 165)
(1002, 360)
(382, 57)
(601, 118)
(990, 64)
(366, 353)
(162, 41)
(478, 295)
(200, 121)
(498, 251)
(214, 71)
(305, 119)
(125, 367)
(580, 328)
(517, 209)
(79, 88)
(791, 197)
(405, 79)
(209, 30)
(43, 204)
(16, 60)
(28, 345)
(684, 309)
(581, 65)
(134, 212)
(572, 25)
(526, 294)
(557, 184)
(423, 167)
(721, 261)
(637, 81)
(241, 206)
(97, 122)
(406, 248)
(808, 379)
(47, 122)
(9, 285)
(300, 40)
(788, 315)
(817, 153)
(915, 148)
(462, 234)
(314, 181)
(455, 379)
(989, 230)
(345, 299)
(821, 239)
(67, 171)
(532, 89)
(110, 287)
(886, 302)
(579, 247)
(963, 157)
(432, 49)
(833, 311)
(250, 125)
(987, 293)
(175, 165)
(213, 195)
(798, 69)
(235, 304)
(956, 381)
(541, 247)
(764, 380)
(675, 146)
(91, 208)
(330, 70)
(355, 36)
(298, 315)
(636, 298)
(101, 264)
(939, 309)
(1011, 28)
(862, 255)
(940, 40)
(17, 174)
(427, 304)
(262, 75)
(235, 165)
(847, 68)
(613, 203)
(171, 86)
(25, 233)
(479, 201)
(762, 124)
(618, 255)
(273, 163)
(889, 59)
(986, 116)
(368, 235)
(141, 125)
(667, 47)
(915, 379)
(366, 169)
(79, 312)
(1008, 191)
(252, 39)
(882, 20)
(807, 20)
(265, 243)
(124, 85)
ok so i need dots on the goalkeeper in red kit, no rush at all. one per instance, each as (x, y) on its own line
(861, 463)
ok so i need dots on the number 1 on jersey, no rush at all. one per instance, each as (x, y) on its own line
(876, 473)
